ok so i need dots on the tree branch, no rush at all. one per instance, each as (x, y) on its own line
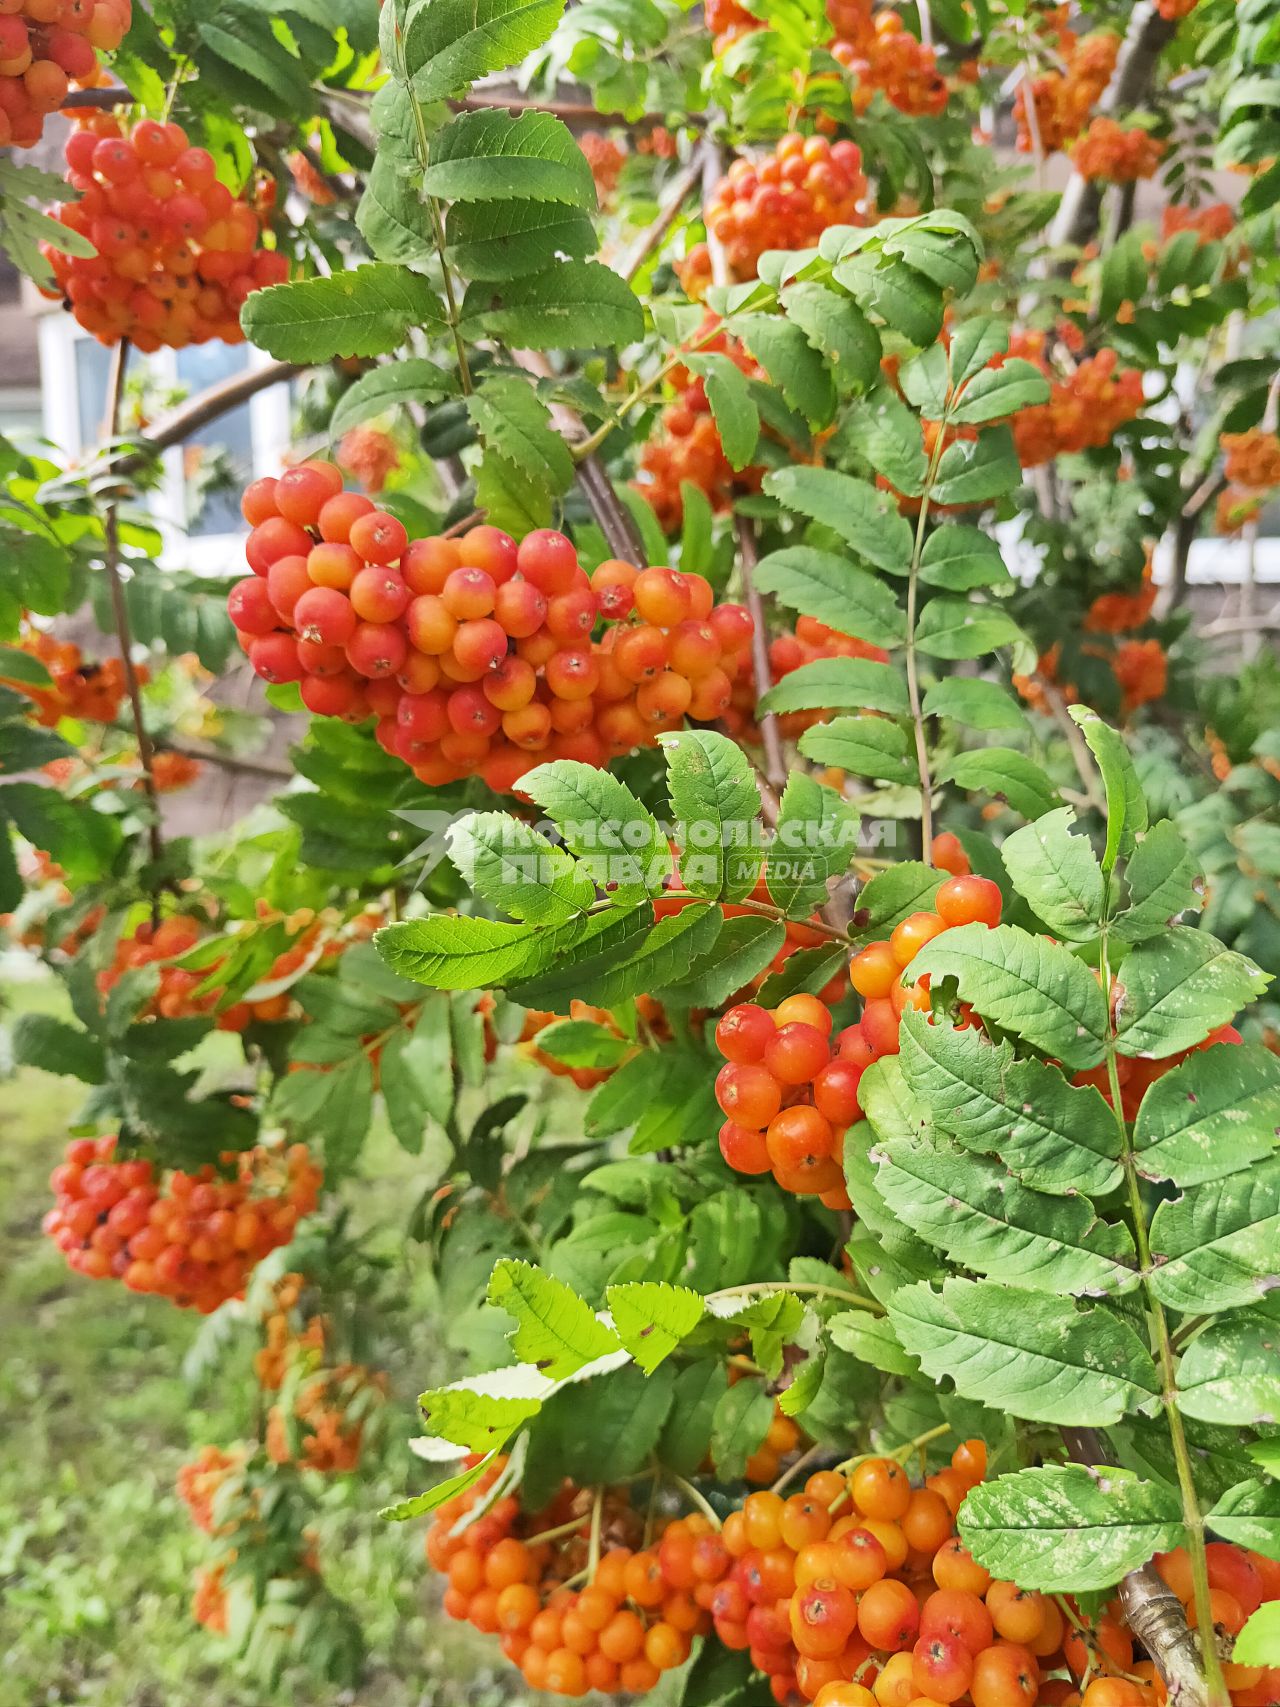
(668, 213)
(198, 411)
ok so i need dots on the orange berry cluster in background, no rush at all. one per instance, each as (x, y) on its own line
(325, 1428)
(1142, 669)
(200, 1480)
(477, 656)
(1137, 1073)
(177, 253)
(92, 692)
(727, 21)
(196, 1238)
(1117, 613)
(1252, 459)
(1084, 410)
(784, 201)
(606, 158)
(1213, 223)
(1109, 150)
(880, 53)
(811, 641)
(45, 47)
(1062, 100)
(686, 444)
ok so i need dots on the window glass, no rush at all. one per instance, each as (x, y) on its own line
(231, 436)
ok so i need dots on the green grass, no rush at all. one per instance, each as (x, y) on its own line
(96, 1551)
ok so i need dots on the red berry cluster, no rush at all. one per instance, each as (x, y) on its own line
(45, 47)
(811, 641)
(1252, 459)
(1062, 100)
(1137, 1073)
(1118, 613)
(177, 253)
(727, 21)
(686, 444)
(476, 655)
(1121, 156)
(606, 159)
(91, 692)
(330, 1404)
(200, 1482)
(785, 201)
(176, 996)
(508, 1573)
(1083, 411)
(1142, 670)
(194, 1240)
(1239, 1583)
(879, 52)
(1212, 224)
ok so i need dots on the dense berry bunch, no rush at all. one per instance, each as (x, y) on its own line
(1083, 411)
(1142, 670)
(629, 1623)
(177, 253)
(1137, 1073)
(879, 52)
(92, 692)
(1252, 459)
(785, 201)
(1121, 156)
(201, 1481)
(181, 991)
(324, 1425)
(1062, 100)
(1212, 224)
(477, 656)
(194, 1239)
(811, 641)
(45, 47)
(606, 159)
(686, 444)
(370, 455)
(1118, 613)
(1239, 1583)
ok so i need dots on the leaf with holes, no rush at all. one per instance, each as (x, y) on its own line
(1216, 1113)
(555, 1331)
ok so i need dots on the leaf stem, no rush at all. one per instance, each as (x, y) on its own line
(811, 1288)
(692, 1494)
(1192, 1517)
(913, 672)
(573, 1527)
(801, 1463)
(593, 1545)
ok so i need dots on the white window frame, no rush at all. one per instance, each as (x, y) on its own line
(270, 422)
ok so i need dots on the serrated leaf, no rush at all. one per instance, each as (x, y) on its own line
(555, 1330)
(1055, 1136)
(1064, 1527)
(576, 957)
(1003, 771)
(1258, 1643)
(871, 1339)
(519, 871)
(1249, 1515)
(686, 1437)
(41, 1040)
(1162, 875)
(820, 584)
(449, 952)
(1179, 986)
(886, 434)
(392, 217)
(499, 156)
(607, 1426)
(410, 380)
(583, 1043)
(603, 825)
(904, 299)
(837, 327)
(833, 683)
(741, 1421)
(1230, 1373)
(509, 239)
(482, 1422)
(368, 311)
(514, 421)
(449, 43)
(1037, 1357)
(867, 746)
(419, 1504)
(999, 391)
(662, 957)
(972, 1209)
(892, 896)
(742, 950)
(732, 406)
(1055, 870)
(575, 305)
(652, 1319)
(978, 471)
(806, 970)
(717, 804)
(1025, 984)
(1217, 1247)
(1216, 1113)
(1126, 803)
(864, 518)
(959, 558)
(973, 344)
(791, 362)
(959, 628)
(977, 704)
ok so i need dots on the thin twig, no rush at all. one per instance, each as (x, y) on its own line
(120, 610)
(1076, 742)
(198, 411)
(225, 761)
(668, 213)
(775, 763)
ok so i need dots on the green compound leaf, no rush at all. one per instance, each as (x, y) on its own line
(1217, 1247)
(1178, 987)
(1216, 1113)
(555, 1330)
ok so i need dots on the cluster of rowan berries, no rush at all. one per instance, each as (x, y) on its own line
(91, 692)
(686, 444)
(1142, 670)
(1240, 1581)
(475, 654)
(606, 158)
(1172, 10)
(811, 641)
(200, 1482)
(785, 201)
(1084, 410)
(177, 253)
(727, 21)
(1120, 155)
(1119, 613)
(1061, 100)
(45, 47)
(193, 1239)
(325, 1427)
(1212, 224)
(790, 1090)
(1137, 1073)
(43, 893)
(181, 992)
(651, 1014)
(370, 456)
(879, 52)
(1252, 459)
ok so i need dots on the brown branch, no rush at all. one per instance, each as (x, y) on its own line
(200, 410)
(120, 610)
(668, 213)
(225, 761)
(775, 764)
(1154, 1613)
(115, 96)
(712, 172)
